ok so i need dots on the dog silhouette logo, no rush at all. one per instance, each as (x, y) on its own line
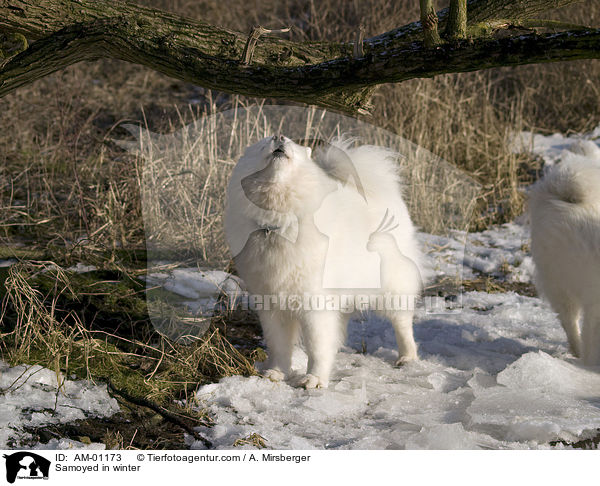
(26, 465)
(339, 208)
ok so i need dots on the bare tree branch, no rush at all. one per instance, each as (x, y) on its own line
(332, 75)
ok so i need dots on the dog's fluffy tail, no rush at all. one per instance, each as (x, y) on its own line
(569, 183)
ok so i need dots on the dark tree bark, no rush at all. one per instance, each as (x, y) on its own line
(429, 21)
(456, 26)
(328, 74)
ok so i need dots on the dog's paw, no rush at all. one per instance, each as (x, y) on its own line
(310, 381)
(402, 360)
(273, 374)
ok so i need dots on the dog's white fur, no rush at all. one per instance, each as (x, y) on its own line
(565, 243)
(289, 260)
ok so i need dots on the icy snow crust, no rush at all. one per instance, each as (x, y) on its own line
(30, 397)
(496, 374)
(499, 251)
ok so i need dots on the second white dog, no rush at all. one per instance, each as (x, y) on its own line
(307, 230)
(565, 241)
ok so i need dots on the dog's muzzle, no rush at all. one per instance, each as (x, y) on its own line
(279, 146)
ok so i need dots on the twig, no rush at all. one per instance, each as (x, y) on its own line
(255, 34)
(358, 42)
(166, 414)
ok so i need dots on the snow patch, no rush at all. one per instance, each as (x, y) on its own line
(201, 289)
(482, 382)
(31, 397)
(557, 147)
(501, 251)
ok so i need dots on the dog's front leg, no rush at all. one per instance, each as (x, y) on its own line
(280, 333)
(322, 334)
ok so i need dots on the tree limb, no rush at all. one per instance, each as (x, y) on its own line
(482, 10)
(479, 12)
(325, 74)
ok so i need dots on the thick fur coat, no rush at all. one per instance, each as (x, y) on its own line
(332, 225)
(565, 240)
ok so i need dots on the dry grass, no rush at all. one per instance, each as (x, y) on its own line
(186, 172)
(63, 182)
(41, 325)
(142, 368)
(37, 323)
(254, 440)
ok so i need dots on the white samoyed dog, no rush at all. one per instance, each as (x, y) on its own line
(565, 243)
(316, 238)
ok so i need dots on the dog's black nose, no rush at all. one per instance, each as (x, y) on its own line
(279, 138)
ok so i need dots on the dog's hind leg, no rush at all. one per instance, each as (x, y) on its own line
(590, 336)
(402, 322)
(568, 310)
(280, 333)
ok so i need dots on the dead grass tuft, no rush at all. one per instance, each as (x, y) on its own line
(217, 357)
(38, 322)
(254, 440)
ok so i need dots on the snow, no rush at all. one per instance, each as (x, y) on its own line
(557, 147)
(499, 251)
(496, 375)
(196, 293)
(540, 397)
(68, 444)
(30, 397)
(82, 268)
(196, 284)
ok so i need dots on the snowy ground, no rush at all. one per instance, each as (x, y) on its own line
(557, 147)
(499, 252)
(495, 373)
(30, 397)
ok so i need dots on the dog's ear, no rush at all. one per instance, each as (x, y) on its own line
(308, 152)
